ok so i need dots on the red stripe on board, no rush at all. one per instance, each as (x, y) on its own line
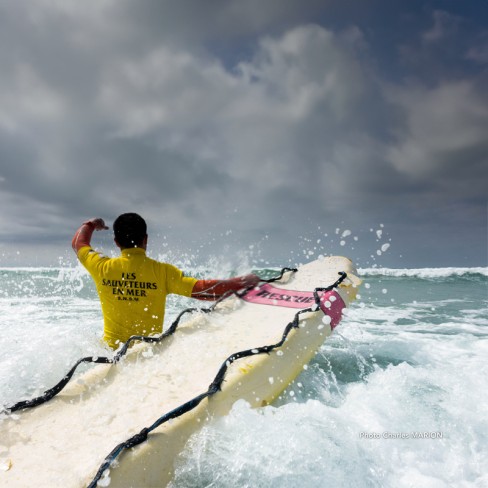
(331, 302)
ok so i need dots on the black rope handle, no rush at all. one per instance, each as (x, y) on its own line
(214, 387)
(283, 271)
(52, 392)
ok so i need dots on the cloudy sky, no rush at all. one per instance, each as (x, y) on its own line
(275, 129)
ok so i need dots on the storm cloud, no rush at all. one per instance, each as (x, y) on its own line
(266, 121)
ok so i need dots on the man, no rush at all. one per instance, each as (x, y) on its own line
(132, 287)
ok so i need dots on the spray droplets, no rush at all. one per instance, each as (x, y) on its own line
(326, 320)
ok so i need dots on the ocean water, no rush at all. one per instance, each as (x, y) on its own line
(396, 397)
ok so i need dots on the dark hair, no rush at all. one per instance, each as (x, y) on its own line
(130, 230)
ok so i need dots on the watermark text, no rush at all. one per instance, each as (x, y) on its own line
(402, 435)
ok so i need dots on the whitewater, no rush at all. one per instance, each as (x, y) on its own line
(396, 397)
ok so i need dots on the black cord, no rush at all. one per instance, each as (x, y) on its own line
(214, 387)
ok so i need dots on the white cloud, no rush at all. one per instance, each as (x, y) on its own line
(187, 111)
(247, 120)
(479, 53)
(445, 24)
(441, 124)
(25, 99)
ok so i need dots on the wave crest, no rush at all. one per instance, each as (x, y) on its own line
(424, 273)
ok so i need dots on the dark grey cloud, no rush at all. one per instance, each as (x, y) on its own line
(263, 122)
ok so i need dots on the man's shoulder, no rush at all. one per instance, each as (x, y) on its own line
(88, 255)
(165, 270)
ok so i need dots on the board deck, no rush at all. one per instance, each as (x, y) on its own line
(63, 442)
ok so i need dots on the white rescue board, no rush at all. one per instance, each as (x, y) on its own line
(64, 441)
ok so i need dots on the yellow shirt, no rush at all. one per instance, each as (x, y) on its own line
(132, 290)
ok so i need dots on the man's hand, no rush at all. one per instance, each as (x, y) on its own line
(97, 223)
(82, 237)
(247, 281)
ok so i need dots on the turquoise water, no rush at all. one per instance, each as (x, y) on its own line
(396, 397)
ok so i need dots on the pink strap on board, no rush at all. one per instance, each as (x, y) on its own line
(331, 302)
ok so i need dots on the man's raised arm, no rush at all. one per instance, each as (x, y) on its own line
(83, 235)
